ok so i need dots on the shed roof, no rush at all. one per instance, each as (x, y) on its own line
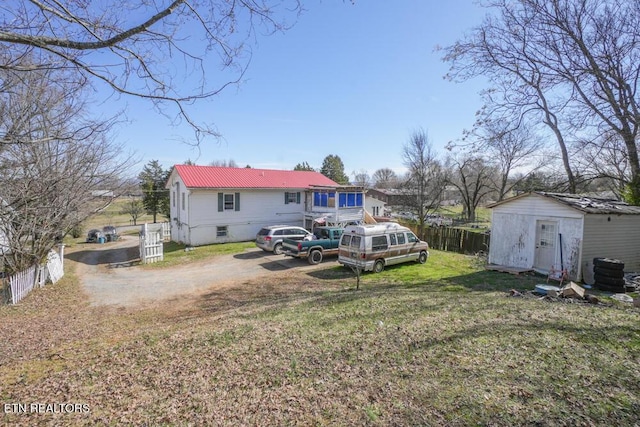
(582, 202)
(226, 177)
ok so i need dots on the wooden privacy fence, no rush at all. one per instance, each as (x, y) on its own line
(456, 240)
(151, 244)
(23, 282)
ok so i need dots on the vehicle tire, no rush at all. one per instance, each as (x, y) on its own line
(611, 281)
(611, 288)
(315, 257)
(608, 263)
(607, 272)
(378, 266)
(422, 258)
(277, 249)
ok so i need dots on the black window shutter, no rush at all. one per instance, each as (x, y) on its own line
(286, 197)
(220, 202)
(237, 201)
(298, 197)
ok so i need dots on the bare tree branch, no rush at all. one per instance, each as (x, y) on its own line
(135, 48)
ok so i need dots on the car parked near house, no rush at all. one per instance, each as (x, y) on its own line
(270, 238)
(371, 247)
(325, 242)
(435, 220)
(94, 235)
(110, 233)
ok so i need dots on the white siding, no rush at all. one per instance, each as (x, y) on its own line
(257, 209)
(536, 205)
(513, 233)
(371, 203)
(611, 236)
(179, 218)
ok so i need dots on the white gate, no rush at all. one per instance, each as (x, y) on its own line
(54, 266)
(166, 231)
(151, 245)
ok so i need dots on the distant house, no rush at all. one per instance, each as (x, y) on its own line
(542, 231)
(210, 204)
(392, 197)
(374, 206)
(401, 198)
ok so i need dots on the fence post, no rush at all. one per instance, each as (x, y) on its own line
(61, 253)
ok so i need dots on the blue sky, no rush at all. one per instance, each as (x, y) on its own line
(352, 80)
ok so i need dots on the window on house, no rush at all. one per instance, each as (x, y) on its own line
(183, 199)
(348, 200)
(324, 199)
(173, 198)
(229, 202)
(291, 197)
(222, 231)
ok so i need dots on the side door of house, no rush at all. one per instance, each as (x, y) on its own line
(546, 238)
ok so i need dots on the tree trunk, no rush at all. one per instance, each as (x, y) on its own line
(634, 165)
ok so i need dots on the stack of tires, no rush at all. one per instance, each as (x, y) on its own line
(609, 275)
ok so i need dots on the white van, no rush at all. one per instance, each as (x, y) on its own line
(374, 246)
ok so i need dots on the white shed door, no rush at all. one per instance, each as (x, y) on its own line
(546, 237)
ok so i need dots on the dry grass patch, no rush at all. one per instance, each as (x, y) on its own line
(310, 350)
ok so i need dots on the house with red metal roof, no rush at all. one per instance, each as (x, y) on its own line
(211, 204)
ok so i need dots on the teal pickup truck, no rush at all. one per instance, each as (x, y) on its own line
(325, 242)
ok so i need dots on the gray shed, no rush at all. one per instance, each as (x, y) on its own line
(541, 231)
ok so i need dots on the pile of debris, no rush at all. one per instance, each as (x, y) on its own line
(632, 282)
(571, 292)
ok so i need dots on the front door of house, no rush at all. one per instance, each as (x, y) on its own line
(546, 238)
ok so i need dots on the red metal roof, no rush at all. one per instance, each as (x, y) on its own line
(224, 177)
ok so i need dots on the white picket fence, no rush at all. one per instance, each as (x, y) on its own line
(23, 282)
(151, 244)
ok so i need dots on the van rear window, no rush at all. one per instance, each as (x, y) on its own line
(355, 242)
(379, 243)
(346, 239)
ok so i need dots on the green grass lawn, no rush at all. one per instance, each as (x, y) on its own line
(435, 344)
(177, 253)
(112, 215)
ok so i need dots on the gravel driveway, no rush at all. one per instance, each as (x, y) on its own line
(108, 276)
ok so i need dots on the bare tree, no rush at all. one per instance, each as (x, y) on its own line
(473, 177)
(134, 208)
(361, 178)
(577, 60)
(607, 162)
(164, 51)
(500, 48)
(385, 178)
(224, 163)
(510, 149)
(426, 178)
(51, 159)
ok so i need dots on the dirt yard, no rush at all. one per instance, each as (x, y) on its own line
(110, 276)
